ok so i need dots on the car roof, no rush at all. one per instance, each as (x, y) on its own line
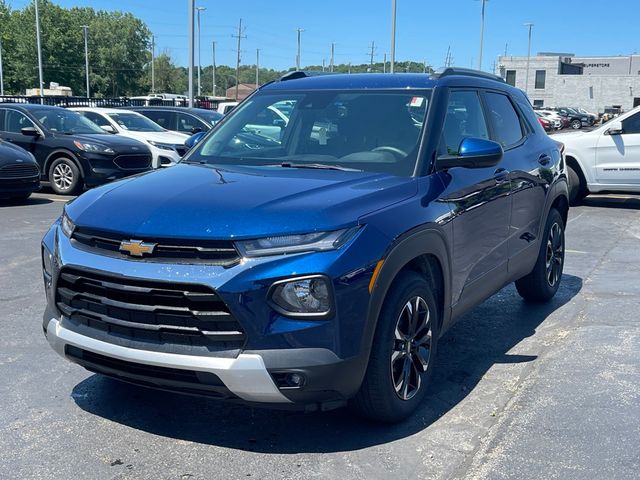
(103, 110)
(383, 81)
(30, 106)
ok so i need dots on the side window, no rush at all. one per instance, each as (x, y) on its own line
(506, 123)
(186, 123)
(96, 118)
(163, 118)
(631, 124)
(464, 119)
(16, 121)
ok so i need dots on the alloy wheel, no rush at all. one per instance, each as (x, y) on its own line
(555, 255)
(63, 176)
(412, 347)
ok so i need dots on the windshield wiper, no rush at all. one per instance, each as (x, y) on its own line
(317, 166)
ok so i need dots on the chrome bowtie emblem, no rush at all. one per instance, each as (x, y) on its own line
(137, 248)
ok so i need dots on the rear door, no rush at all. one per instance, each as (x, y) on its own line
(528, 160)
(618, 156)
(480, 200)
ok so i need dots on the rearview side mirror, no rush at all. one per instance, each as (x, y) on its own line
(108, 128)
(473, 153)
(193, 139)
(30, 131)
(615, 128)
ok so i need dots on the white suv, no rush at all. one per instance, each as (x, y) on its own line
(606, 159)
(166, 147)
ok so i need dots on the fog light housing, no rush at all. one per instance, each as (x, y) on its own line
(303, 297)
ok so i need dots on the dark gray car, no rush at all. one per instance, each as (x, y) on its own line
(19, 172)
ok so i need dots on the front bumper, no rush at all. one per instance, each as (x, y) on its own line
(245, 376)
(99, 169)
(19, 186)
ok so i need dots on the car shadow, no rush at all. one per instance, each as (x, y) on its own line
(480, 340)
(23, 203)
(624, 202)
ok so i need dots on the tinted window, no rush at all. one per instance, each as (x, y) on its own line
(464, 119)
(504, 118)
(65, 121)
(96, 118)
(541, 76)
(632, 124)
(187, 123)
(135, 122)
(166, 119)
(16, 121)
(511, 77)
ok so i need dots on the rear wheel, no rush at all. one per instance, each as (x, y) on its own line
(403, 351)
(577, 187)
(64, 176)
(576, 124)
(543, 282)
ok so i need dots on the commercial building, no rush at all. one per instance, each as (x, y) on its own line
(564, 80)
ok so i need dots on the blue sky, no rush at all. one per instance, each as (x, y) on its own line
(425, 28)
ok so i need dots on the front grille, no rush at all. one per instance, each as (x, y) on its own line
(147, 311)
(19, 170)
(133, 162)
(211, 252)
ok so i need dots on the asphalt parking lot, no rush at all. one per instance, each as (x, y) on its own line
(520, 391)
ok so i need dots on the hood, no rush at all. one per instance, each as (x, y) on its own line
(10, 153)
(203, 202)
(118, 143)
(173, 138)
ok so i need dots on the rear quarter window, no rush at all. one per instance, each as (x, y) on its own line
(507, 125)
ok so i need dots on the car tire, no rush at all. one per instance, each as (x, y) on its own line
(396, 379)
(576, 124)
(543, 282)
(64, 176)
(577, 188)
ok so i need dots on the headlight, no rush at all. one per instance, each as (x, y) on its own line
(93, 147)
(302, 296)
(47, 261)
(161, 146)
(67, 225)
(308, 242)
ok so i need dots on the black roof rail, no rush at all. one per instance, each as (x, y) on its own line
(466, 72)
(301, 74)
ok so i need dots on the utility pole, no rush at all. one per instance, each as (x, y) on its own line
(349, 68)
(331, 62)
(323, 62)
(424, 69)
(85, 28)
(384, 64)
(213, 88)
(505, 49)
(153, 62)
(483, 2)
(199, 9)
(299, 30)
(373, 46)
(257, 67)
(239, 36)
(1, 74)
(526, 87)
(191, 42)
(392, 66)
(39, 45)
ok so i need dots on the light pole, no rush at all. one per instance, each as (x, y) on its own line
(481, 33)
(35, 3)
(153, 63)
(257, 67)
(191, 21)
(299, 30)
(393, 36)
(85, 28)
(214, 68)
(332, 62)
(1, 74)
(526, 85)
(199, 9)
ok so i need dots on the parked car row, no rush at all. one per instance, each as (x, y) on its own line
(553, 119)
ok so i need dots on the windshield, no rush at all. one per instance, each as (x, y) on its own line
(65, 121)
(360, 130)
(210, 117)
(135, 122)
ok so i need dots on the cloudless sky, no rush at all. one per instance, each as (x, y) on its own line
(425, 28)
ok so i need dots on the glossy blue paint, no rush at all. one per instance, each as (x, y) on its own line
(193, 139)
(479, 147)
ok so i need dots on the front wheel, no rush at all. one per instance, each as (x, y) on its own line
(576, 124)
(403, 351)
(543, 282)
(64, 176)
(577, 188)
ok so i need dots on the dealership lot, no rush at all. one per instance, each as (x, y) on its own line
(520, 391)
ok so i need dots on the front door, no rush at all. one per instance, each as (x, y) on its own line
(618, 156)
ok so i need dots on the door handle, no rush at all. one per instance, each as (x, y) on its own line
(501, 175)
(544, 160)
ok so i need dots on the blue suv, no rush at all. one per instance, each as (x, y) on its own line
(314, 261)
